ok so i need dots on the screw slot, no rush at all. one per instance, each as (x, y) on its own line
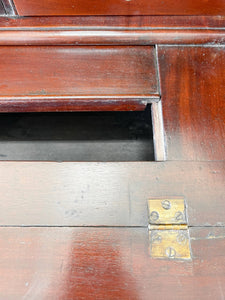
(181, 238)
(154, 216)
(179, 216)
(170, 252)
(156, 238)
(166, 204)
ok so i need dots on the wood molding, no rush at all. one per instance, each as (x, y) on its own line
(44, 36)
(74, 103)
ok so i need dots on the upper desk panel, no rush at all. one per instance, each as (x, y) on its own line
(119, 7)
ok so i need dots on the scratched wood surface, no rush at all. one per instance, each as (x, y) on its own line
(76, 78)
(119, 7)
(193, 97)
(109, 22)
(110, 194)
(106, 263)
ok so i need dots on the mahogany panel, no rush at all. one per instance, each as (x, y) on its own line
(106, 263)
(193, 97)
(119, 7)
(109, 194)
(51, 79)
(75, 22)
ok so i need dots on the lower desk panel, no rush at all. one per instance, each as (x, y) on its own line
(109, 194)
(77, 78)
(106, 263)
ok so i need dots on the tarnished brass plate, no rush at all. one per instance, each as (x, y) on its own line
(172, 244)
(168, 230)
(167, 211)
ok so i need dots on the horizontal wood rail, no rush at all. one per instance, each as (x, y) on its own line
(74, 103)
(63, 36)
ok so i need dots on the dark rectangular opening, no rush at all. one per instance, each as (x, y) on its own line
(77, 136)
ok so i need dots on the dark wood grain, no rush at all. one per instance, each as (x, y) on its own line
(110, 194)
(52, 79)
(119, 7)
(193, 97)
(46, 36)
(106, 263)
(75, 22)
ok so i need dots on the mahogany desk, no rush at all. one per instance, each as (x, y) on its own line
(79, 230)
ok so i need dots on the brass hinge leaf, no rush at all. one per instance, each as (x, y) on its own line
(168, 229)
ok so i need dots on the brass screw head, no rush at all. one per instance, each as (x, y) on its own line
(154, 216)
(181, 238)
(166, 204)
(179, 216)
(170, 252)
(156, 238)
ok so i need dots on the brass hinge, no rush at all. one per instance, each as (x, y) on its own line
(168, 229)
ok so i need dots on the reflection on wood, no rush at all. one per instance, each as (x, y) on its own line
(193, 97)
(106, 263)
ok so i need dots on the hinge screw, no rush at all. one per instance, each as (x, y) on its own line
(181, 238)
(156, 238)
(154, 216)
(166, 204)
(179, 216)
(170, 252)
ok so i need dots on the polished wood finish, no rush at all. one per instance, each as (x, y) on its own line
(119, 7)
(106, 263)
(193, 97)
(109, 194)
(52, 79)
(114, 63)
(54, 36)
(114, 30)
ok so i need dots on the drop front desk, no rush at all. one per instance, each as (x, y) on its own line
(135, 230)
